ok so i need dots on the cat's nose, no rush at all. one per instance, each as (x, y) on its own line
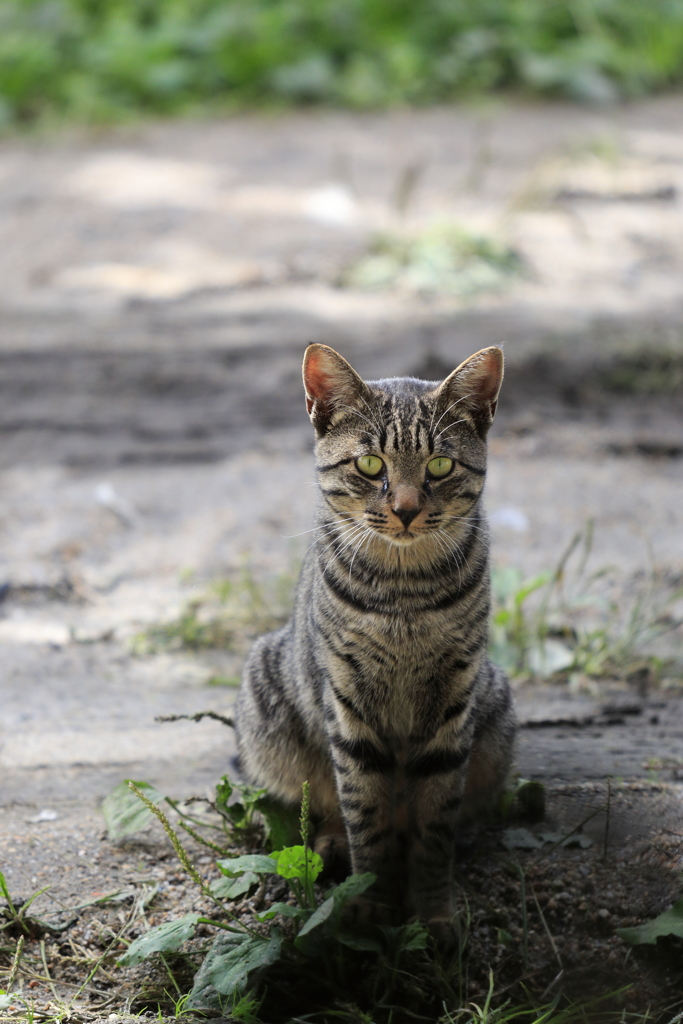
(406, 504)
(406, 515)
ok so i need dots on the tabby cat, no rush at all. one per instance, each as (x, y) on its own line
(379, 690)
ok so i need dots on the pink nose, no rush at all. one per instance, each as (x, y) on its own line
(406, 504)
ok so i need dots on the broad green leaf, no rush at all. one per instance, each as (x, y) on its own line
(231, 888)
(319, 916)
(415, 935)
(235, 866)
(298, 862)
(668, 923)
(352, 886)
(124, 812)
(281, 823)
(203, 995)
(230, 971)
(239, 813)
(330, 913)
(163, 937)
(282, 908)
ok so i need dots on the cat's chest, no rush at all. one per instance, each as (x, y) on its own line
(401, 677)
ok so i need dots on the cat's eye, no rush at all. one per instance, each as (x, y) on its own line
(370, 465)
(440, 466)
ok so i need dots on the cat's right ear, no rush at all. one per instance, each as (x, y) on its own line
(331, 384)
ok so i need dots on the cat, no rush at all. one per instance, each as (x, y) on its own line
(378, 690)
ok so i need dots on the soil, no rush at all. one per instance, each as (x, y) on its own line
(158, 286)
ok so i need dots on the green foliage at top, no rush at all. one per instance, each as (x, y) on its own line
(99, 59)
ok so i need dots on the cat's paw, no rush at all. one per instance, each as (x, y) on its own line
(445, 932)
(363, 913)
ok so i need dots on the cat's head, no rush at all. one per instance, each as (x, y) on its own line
(404, 458)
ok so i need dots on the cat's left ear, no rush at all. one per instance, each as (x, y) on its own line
(331, 385)
(475, 384)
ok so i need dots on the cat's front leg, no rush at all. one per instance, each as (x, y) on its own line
(437, 782)
(365, 772)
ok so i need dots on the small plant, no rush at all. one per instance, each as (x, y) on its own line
(239, 813)
(239, 952)
(16, 920)
(550, 624)
(444, 259)
(227, 615)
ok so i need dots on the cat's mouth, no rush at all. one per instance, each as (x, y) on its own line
(404, 537)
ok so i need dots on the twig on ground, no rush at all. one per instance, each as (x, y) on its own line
(196, 718)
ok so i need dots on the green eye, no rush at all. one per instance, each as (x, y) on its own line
(370, 465)
(440, 466)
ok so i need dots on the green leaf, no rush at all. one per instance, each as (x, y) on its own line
(318, 917)
(668, 923)
(415, 935)
(298, 862)
(230, 888)
(530, 586)
(238, 814)
(163, 937)
(230, 971)
(203, 995)
(330, 913)
(281, 823)
(354, 885)
(124, 812)
(235, 866)
(282, 908)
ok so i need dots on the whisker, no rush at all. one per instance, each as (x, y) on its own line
(449, 409)
(447, 427)
(355, 412)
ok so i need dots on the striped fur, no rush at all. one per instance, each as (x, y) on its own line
(378, 690)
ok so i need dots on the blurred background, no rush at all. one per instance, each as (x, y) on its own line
(193, 190)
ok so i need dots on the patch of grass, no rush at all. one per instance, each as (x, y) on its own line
(443, 258)
(649, 372)
(232, 681)
(98, 60)
(227, 615)
(570, 621)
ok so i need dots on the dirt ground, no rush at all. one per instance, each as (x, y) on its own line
(157, 288)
